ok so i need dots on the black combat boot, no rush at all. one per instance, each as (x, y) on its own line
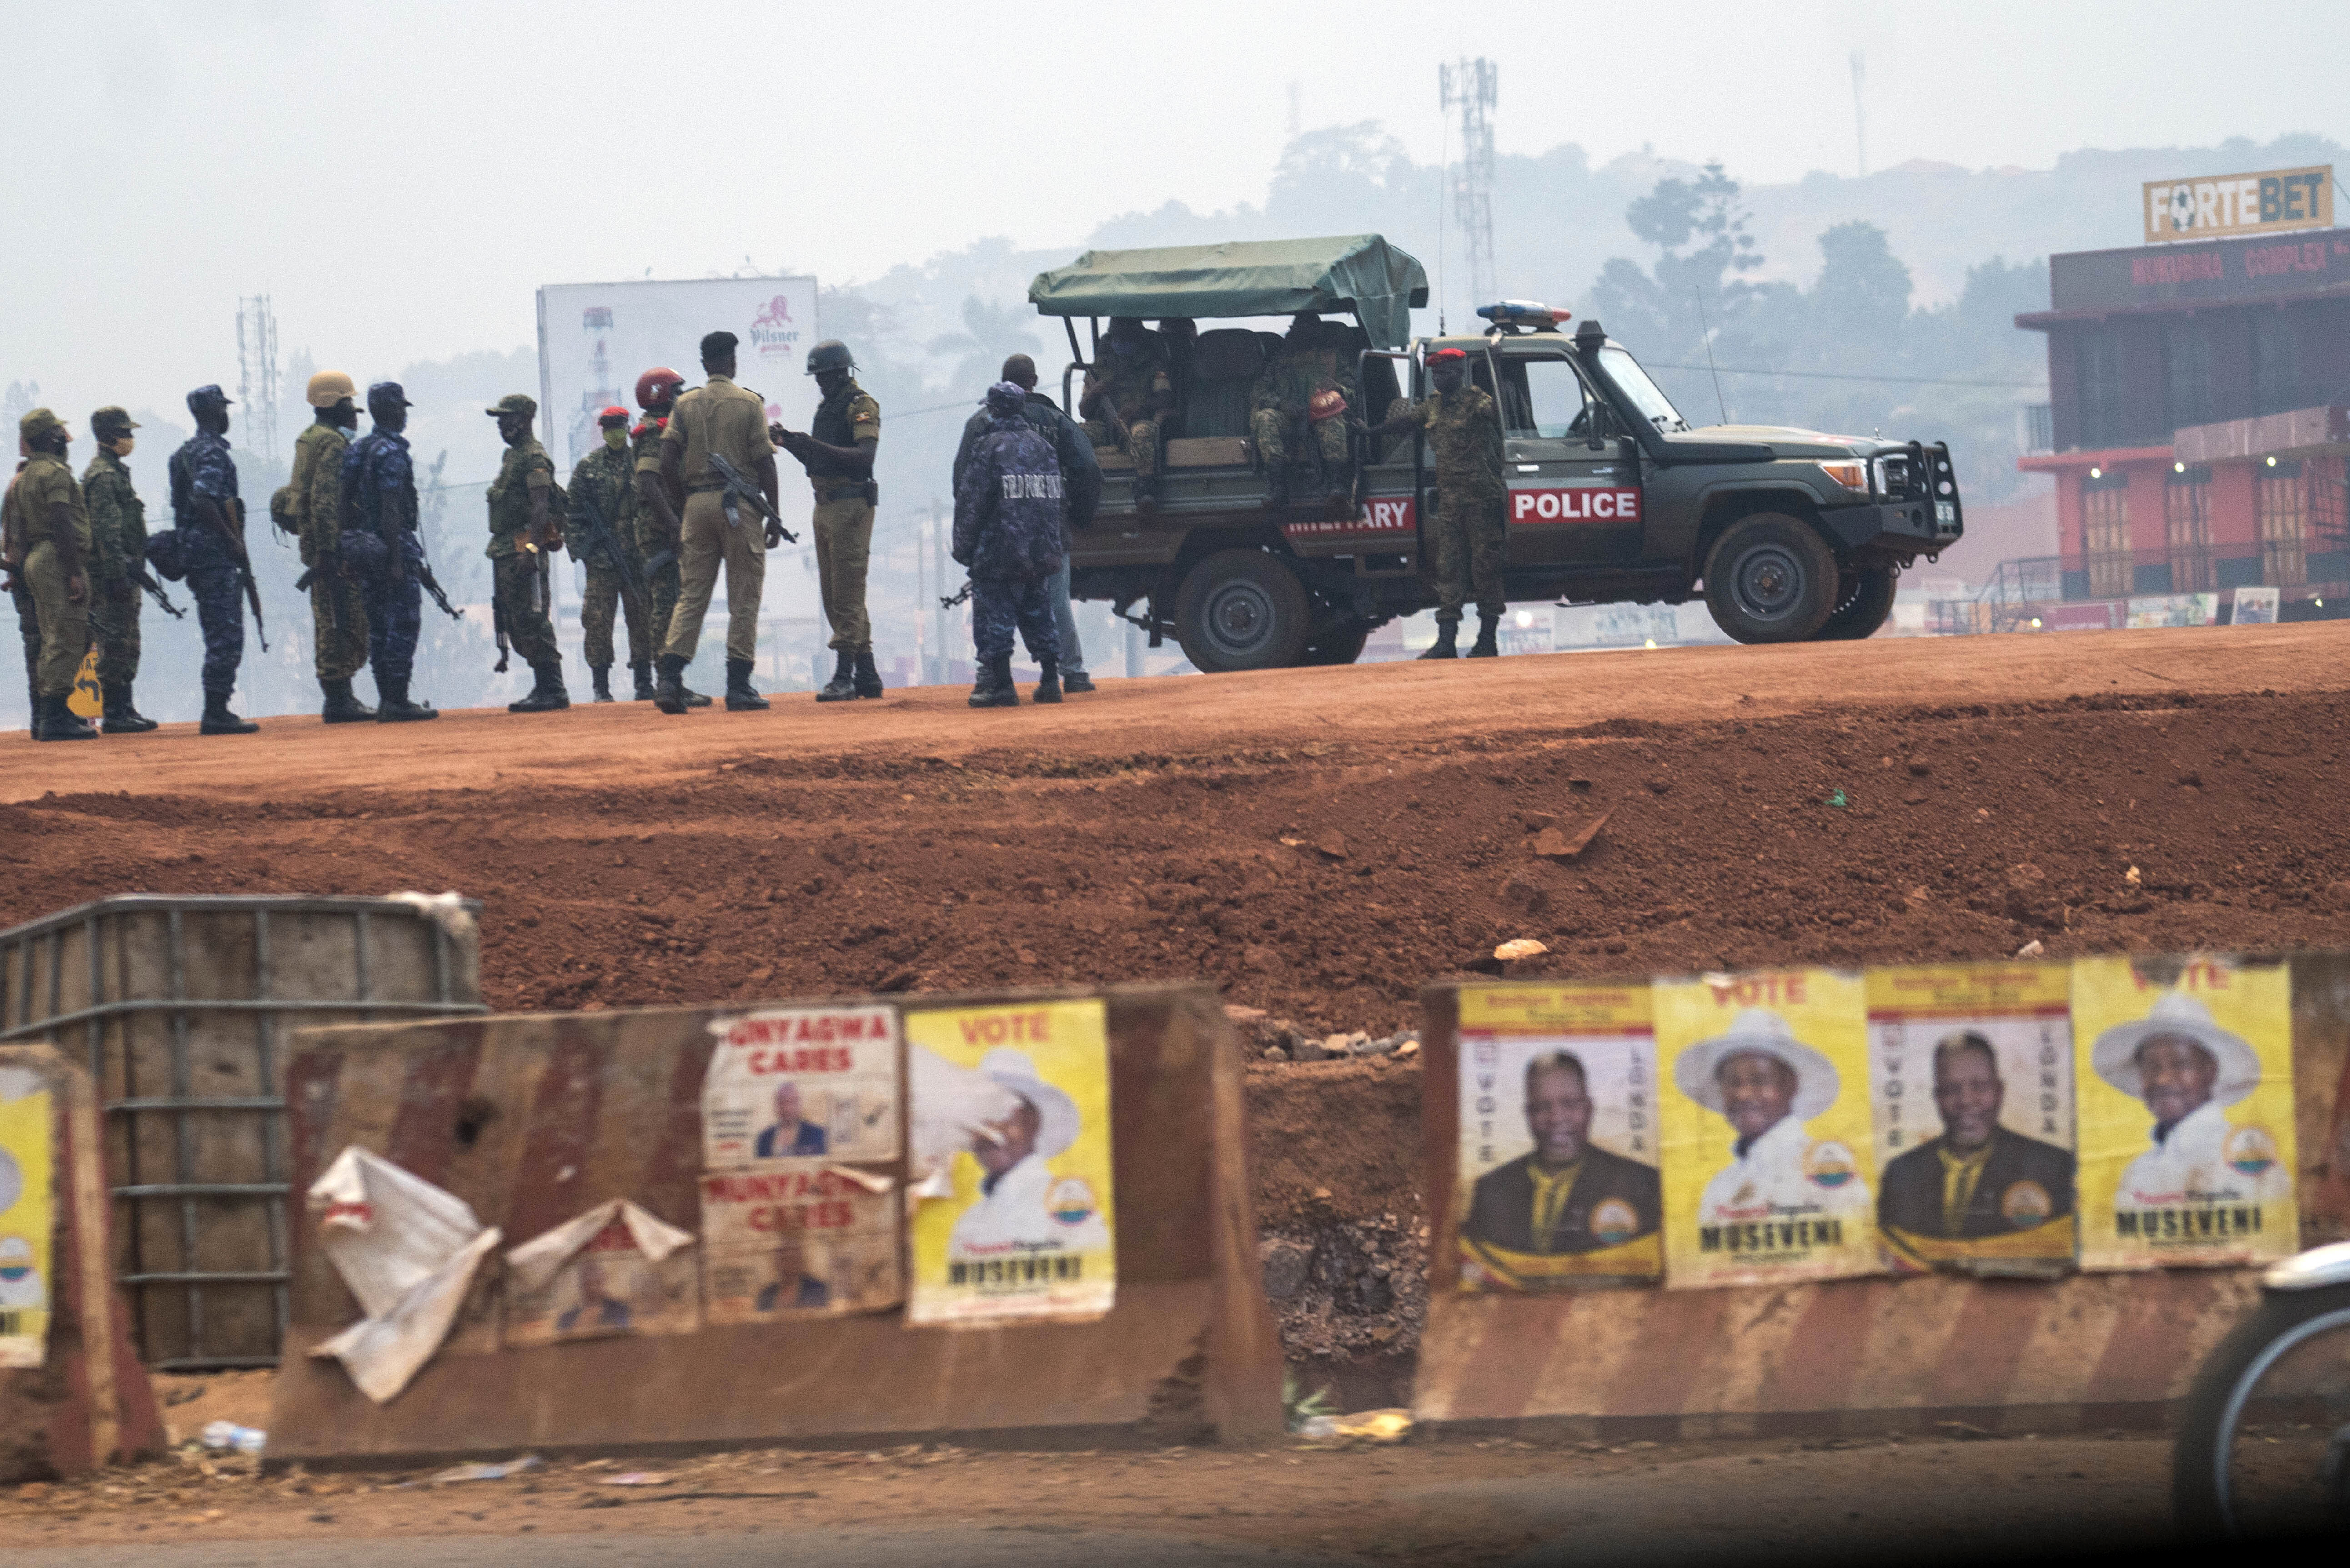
(1076, 681)
(1338, 485)
(342, 708)
(842, 687)
(547, 696)
(122, 718)
(1488, 644)
(60, 722)
(994, 688)
(693, 698)
(642, 669)
(668, 692)
(1049, 681)
(1145, 493)
(867, 678)
(599, 677)
(219, 721)
(1447, 644)
(393, 706)
(1276, 485)
(740, 698)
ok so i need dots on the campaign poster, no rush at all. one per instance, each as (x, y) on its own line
(2185, 1072)
(27, 1220)
(631, 1274)
(1557, 1184)
(1017, 1217)
(1769, 1167)
(798, 1241)
(1971, 1080)
(802, 1083)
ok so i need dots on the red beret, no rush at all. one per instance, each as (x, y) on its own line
(1447, 354)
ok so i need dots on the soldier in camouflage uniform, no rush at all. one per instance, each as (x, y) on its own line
(523, 524)
(1464, 436)
(1129, 375)
(1283, 407)
(605, 482)
(338, 607)
(660, 529)
(117, 533)
(45, 540)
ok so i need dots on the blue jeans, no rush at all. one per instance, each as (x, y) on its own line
(1073, 653)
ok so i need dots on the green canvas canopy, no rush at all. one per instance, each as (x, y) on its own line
(1252, 277)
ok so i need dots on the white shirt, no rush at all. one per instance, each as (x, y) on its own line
(1011, 1218)
(2190, 1166)
(1768, 1181)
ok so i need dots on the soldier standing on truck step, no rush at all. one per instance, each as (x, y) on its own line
(1128, 393)
(658, 524)
(118, 532)
(718, 418)
(838, 452)
(314, 506)
(1464, 434)
(47, 547)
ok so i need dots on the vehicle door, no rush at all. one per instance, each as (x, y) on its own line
(1575, 493)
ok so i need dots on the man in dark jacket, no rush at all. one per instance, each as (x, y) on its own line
(1569, 1195)
(1978, 1179)
(1081, 484)
(1007, 531)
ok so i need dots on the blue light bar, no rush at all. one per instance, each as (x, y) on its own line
(1524, 313)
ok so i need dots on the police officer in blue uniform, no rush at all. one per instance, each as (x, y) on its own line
(210, 518)
(379, 507)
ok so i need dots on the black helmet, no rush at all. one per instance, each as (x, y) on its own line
(831, 354)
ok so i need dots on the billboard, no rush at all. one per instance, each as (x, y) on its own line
(2271, 202)
(596, 339)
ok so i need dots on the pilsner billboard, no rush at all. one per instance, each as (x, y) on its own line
(596, 339)
(2226, 205)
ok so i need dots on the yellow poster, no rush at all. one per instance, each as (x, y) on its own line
(2185, 1069)
(87, 699)
(1768, 1172)
(1971, 1081)
(1556, 1183)
(26, 1224)
(1009, 1120)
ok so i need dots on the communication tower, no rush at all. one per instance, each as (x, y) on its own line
(1859, 114)
(257, 374)
(1472, 87)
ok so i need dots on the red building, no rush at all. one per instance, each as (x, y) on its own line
(2199, 415)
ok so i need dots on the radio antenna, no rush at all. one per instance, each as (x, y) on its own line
(1708, 330)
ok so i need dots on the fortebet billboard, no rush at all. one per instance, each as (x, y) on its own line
(596, 339)
(2229, 204)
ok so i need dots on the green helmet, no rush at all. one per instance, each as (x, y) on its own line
(831, 354)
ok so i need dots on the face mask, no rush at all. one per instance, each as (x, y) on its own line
(121, 448)
(616, 439)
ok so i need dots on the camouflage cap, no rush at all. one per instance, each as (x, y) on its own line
(209, 395)
(388, 393)
(40, 422)
(515, 403)
(112, 421)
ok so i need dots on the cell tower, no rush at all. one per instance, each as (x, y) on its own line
(1859, 114)
(1472, 87)
(257, 374)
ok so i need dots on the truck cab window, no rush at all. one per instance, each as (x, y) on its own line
(1543, 399)
(1647, 396)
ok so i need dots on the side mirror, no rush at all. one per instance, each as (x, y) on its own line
(1602, 426)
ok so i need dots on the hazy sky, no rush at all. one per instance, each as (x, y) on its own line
(400, 176)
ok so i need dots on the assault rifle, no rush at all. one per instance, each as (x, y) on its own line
(962, 596)
(506, 646)
(145, 580)
(600, 536)
(217, 515)
(431, 585)
(739, 489)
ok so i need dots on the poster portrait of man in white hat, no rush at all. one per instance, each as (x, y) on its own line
(2187, 1070)
(1766, 1084)
(1018, 1210)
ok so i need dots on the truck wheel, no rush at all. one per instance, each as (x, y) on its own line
(1342, 647)
(1771, 578)
(1865, 607)
(1241, 609)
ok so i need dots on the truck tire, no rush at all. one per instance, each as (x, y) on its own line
(1865, 607)
(1241, 609)
(1341, 647)
(1771, 578)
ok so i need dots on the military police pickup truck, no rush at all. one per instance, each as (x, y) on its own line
(1790, 534)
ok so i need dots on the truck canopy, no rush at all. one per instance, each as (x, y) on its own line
(1361, 273)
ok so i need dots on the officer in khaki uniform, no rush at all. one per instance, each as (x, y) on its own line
(338, 622)
(117, 533)
(522, 526)
(838, 452)
(731, 421)
(45, 541)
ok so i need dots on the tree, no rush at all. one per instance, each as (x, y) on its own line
(1700, 226)
(1861, 302)
(991, 335)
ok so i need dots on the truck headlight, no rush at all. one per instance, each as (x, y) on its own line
(1852, 475)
